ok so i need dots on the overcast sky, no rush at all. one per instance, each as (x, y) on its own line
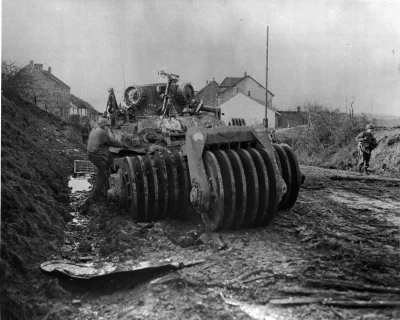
(319, 51)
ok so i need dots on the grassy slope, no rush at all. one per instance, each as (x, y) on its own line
(36, 159)
(385, 158)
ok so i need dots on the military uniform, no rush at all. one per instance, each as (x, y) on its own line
(366, 143)
(99, 153)
(84, 133)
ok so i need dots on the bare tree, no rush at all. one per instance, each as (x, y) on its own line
(17, 83)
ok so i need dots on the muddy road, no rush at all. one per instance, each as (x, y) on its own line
(334, 255)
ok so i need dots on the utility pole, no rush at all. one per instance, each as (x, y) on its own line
(266, 86)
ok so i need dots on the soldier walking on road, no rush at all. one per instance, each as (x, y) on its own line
(366, 143)
(99, 153)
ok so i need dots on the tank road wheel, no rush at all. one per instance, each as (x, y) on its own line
(229, 188)
(143, 189)
(286, 174)
(162, 179)
(240, 188)
(152, 183)
(263, 184)
(296, 176)
(214, 217)
(272, 195)
(183, 183)
(131, 188)
(173, 186)
(251, 186)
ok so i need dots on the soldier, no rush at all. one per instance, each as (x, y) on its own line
(99, 153)
(366, 143)
(186, 112)
(85, 132)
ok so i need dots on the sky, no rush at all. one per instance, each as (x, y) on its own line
(318, 51)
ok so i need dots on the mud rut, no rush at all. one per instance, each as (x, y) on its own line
(332, 256)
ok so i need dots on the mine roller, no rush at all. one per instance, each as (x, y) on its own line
(231, 174)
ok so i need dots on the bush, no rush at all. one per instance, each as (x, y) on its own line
(327, 131)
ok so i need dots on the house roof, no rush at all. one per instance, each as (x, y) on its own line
(47, 74)
(232, 82)
(53, 78)
(240, 97)
(208, 84)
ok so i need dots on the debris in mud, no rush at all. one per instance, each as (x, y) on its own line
(214, 239)
(102, 268)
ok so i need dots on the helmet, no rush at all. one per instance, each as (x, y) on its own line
(104, 122)
(186, 110)
(369, 126)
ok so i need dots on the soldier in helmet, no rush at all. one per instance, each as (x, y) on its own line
(186, 112)
(366, 143)
(98, 152)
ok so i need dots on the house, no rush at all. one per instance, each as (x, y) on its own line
(243, 107)
(74, 109)
(47, 91)
(292, 118)
(209, 93)
(229, 87)
(84, 109)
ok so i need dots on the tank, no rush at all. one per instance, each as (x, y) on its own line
(181, 153)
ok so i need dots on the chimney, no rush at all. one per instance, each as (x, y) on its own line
(298, 108)
(206, 81)
(49, 69)
(245, 74)
(213, 79)
(31, 63)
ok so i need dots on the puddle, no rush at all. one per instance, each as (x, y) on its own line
(389, 209)
(79, 183)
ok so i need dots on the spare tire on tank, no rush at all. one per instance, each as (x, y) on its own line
(184, 93)
(135, 96)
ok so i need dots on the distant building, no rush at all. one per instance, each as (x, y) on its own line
(292, 118)
(229, 87)
(48, 92)
(84, 109)
(243, 107)
(74, 109)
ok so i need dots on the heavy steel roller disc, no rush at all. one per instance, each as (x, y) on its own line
(263, 185)
(143, 189)
(278, 162)
(252, 188)
(214, 217)
(173, 186)
(286, 174)
(184, 184)
(273, 190)
(152, 182)
(228, 180)
(240, 187)
(131, 188)
(296, 175)
(162, 179)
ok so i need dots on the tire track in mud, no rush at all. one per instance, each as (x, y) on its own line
(318, 238)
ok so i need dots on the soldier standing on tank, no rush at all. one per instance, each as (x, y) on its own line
(99, 153)
(366, 143)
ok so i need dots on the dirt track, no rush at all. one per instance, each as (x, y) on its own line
(289, 270)
(339, 229)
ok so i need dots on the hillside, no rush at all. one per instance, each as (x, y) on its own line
(385, 159)
(36, 160)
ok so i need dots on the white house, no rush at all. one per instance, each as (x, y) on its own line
(243, 107)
